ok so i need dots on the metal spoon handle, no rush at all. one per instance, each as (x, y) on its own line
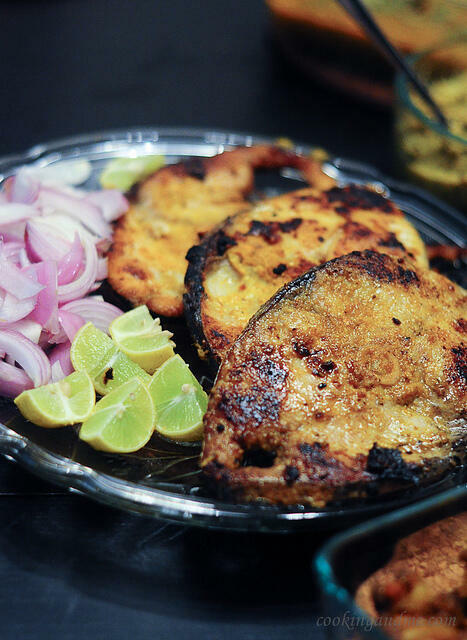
(358, 11)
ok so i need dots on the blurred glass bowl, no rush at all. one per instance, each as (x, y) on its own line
(348, 559)
(319, 37)
(431, 155)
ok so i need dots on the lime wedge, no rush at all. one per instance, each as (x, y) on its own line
(122, 421)
(179, 401)
(94, 352)
(65, 402)
(90, 347)
(138, 335)
(122, 173)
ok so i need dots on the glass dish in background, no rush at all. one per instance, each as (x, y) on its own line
(431, 155)
(321, 39)
(348, 559)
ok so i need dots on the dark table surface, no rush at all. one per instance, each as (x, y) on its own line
(69, 568)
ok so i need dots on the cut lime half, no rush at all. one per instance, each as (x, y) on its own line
(179, 401)
(141, 338)
(68, 401)
(122, 421)
(108, 367)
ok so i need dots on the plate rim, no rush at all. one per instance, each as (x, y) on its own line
(183, 508)
(189, 509)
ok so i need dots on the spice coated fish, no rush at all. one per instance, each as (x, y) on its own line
(351, 380)
(174, 207)
(240, 265)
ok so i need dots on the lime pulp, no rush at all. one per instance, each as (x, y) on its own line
(179, 401)
(122, 421)
(68, 401)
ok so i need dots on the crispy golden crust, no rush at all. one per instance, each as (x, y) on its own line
(424, 584)
(251, 255)
(350, 380)
(175, 207)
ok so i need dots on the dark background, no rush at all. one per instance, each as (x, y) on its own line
(74, 66)
(69, 568)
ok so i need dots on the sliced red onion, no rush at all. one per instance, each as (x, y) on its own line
(11, 247)
(66, 189)
(15, 281)
(7, 236)
(51, 199)
(103, 245)
(13, 380)
(111, 202)
(22, 187)
(27, 354)
(67, 227)
(70, 322)
(95, 310)
(54, 338)
(7, 187)
(102, 269)
(80, 287)
(13, 309)
(12, 250)
(13, 231)
(23, 259)
(97, 285)
(29, 329)
(13, 212)
(47, 265)
(57, 372)
(61, 355)
(48, 338)
(46, 308)
(43, 243)
(70, 172)
(72, 263)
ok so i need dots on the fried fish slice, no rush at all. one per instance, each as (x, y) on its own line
(177, 205)
(251, 255)
(352, 379)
